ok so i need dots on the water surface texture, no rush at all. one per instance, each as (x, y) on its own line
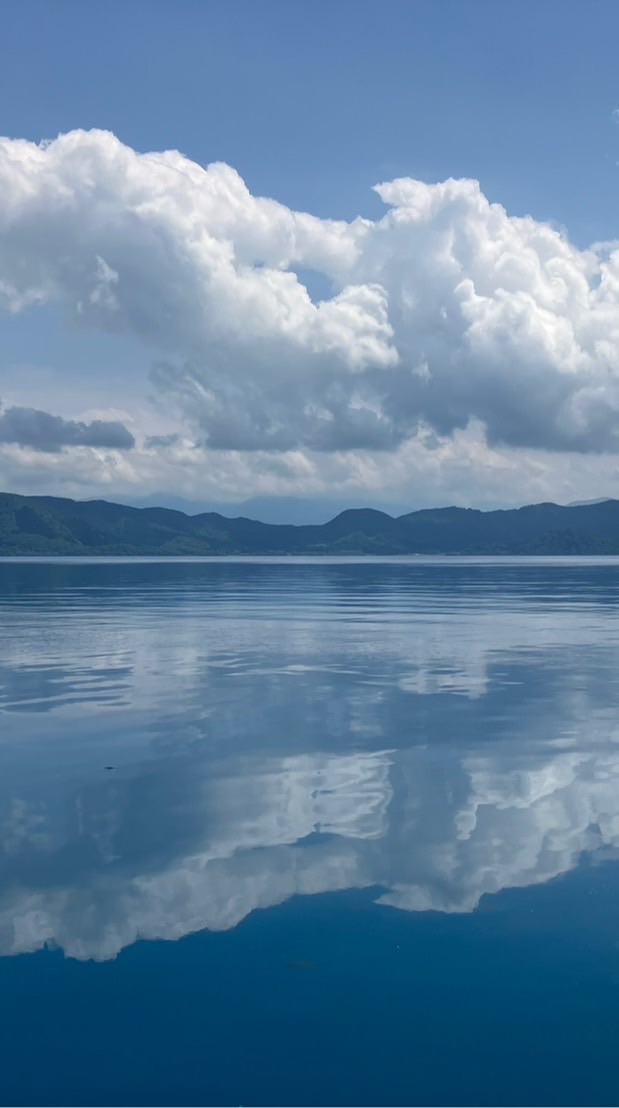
(309, 832)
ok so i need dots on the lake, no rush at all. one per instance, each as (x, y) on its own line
(309, 832)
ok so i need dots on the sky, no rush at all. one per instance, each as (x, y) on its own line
(362, 250)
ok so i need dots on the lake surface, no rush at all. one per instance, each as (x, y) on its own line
(318, 832)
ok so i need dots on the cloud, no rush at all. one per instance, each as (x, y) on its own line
(50, 433)
(445, 311)
(162, 442)
(422, 472)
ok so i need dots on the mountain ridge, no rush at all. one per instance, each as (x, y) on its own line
(47, 525)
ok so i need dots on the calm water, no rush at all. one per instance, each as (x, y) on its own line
(309, 833)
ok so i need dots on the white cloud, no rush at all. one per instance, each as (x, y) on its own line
(424, 471)
(445, 311)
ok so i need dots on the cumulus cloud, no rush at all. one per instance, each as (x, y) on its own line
(49, 434)
(446, 310)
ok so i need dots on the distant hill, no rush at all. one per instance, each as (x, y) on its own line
(299, 510)
(44, 525)
(583, 503)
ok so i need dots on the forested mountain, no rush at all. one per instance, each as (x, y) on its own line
(50, 525)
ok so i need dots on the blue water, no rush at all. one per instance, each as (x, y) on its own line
(291, 832)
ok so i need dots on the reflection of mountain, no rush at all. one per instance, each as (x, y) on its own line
(433, 836)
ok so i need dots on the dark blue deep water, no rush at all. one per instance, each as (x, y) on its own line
(309, 832)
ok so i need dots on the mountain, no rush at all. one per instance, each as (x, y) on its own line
(298, 510)
(583, 503)
(45, 525)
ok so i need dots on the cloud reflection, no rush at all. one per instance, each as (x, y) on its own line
(494, 766)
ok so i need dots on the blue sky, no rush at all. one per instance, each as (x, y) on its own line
(313, 104)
